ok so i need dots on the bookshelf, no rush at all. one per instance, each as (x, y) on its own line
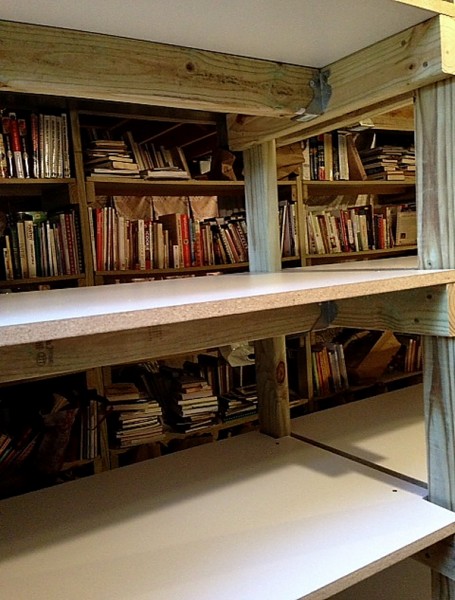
(316, 466)
(198, 135)
(351, 214)
(105, 325)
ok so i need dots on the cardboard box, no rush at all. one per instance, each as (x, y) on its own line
(368, 357)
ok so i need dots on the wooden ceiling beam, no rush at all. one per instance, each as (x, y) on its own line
(62, 62)
(368, 79)
(443, 7)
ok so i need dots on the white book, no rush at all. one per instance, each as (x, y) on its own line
(141, 244)
(343, 157)
(30, 247)
(65, 147)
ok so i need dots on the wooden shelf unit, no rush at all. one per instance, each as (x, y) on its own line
(272, 544)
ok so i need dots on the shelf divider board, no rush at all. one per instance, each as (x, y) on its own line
(386, 432)
(248, 517)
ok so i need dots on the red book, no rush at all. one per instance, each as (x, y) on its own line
(16, 146)
(186, 239)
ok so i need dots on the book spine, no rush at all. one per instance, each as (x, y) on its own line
(185, 232)
(22, 125)
(65, 146)
(16, 146)
(147, 245)
(8, 258)
(141, 244)
(30, 247)
(59, 147)
(65, 243)
(34, 134)
(3, 159)
(99, 239)
(47, 148)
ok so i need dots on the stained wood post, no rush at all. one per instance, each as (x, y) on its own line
(435, 158)
(261, 198)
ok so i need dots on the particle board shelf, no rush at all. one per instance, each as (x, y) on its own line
(248, 517)
(34, 317)
(114, 324)
(386, 432)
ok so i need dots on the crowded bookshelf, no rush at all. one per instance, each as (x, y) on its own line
(296, 501)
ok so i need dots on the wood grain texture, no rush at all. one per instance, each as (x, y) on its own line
(392, 67)
(373, 112)
(58, 356)
(445, 7)
(428, 311)
(37, 59)
(435, 158)
(261, 203)
(272, 386)
(435, 164)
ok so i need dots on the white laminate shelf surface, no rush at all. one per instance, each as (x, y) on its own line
(386, 431)
(246, 518)
(56, 314)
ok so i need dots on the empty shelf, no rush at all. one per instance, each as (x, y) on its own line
(386, 431)
(250, 517)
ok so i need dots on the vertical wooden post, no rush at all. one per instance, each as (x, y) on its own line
(261, 198)
(435, 159)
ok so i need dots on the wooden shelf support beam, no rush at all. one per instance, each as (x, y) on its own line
(42, 60)
(440, 557)
(426, 311)
(435, 164)
(392, 68)
(261, 201)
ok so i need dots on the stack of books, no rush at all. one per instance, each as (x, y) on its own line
(111, 158)
(192, 403)
(135, 417)
(386, 162)
(239, 402)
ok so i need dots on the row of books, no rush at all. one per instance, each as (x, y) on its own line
(334, 156)
(57, 429)
(328, 368)
(360, 228)
(35, 145)
(171, 241)
(326, 156)
(412, 354)
(41, 244)
(15, 450)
